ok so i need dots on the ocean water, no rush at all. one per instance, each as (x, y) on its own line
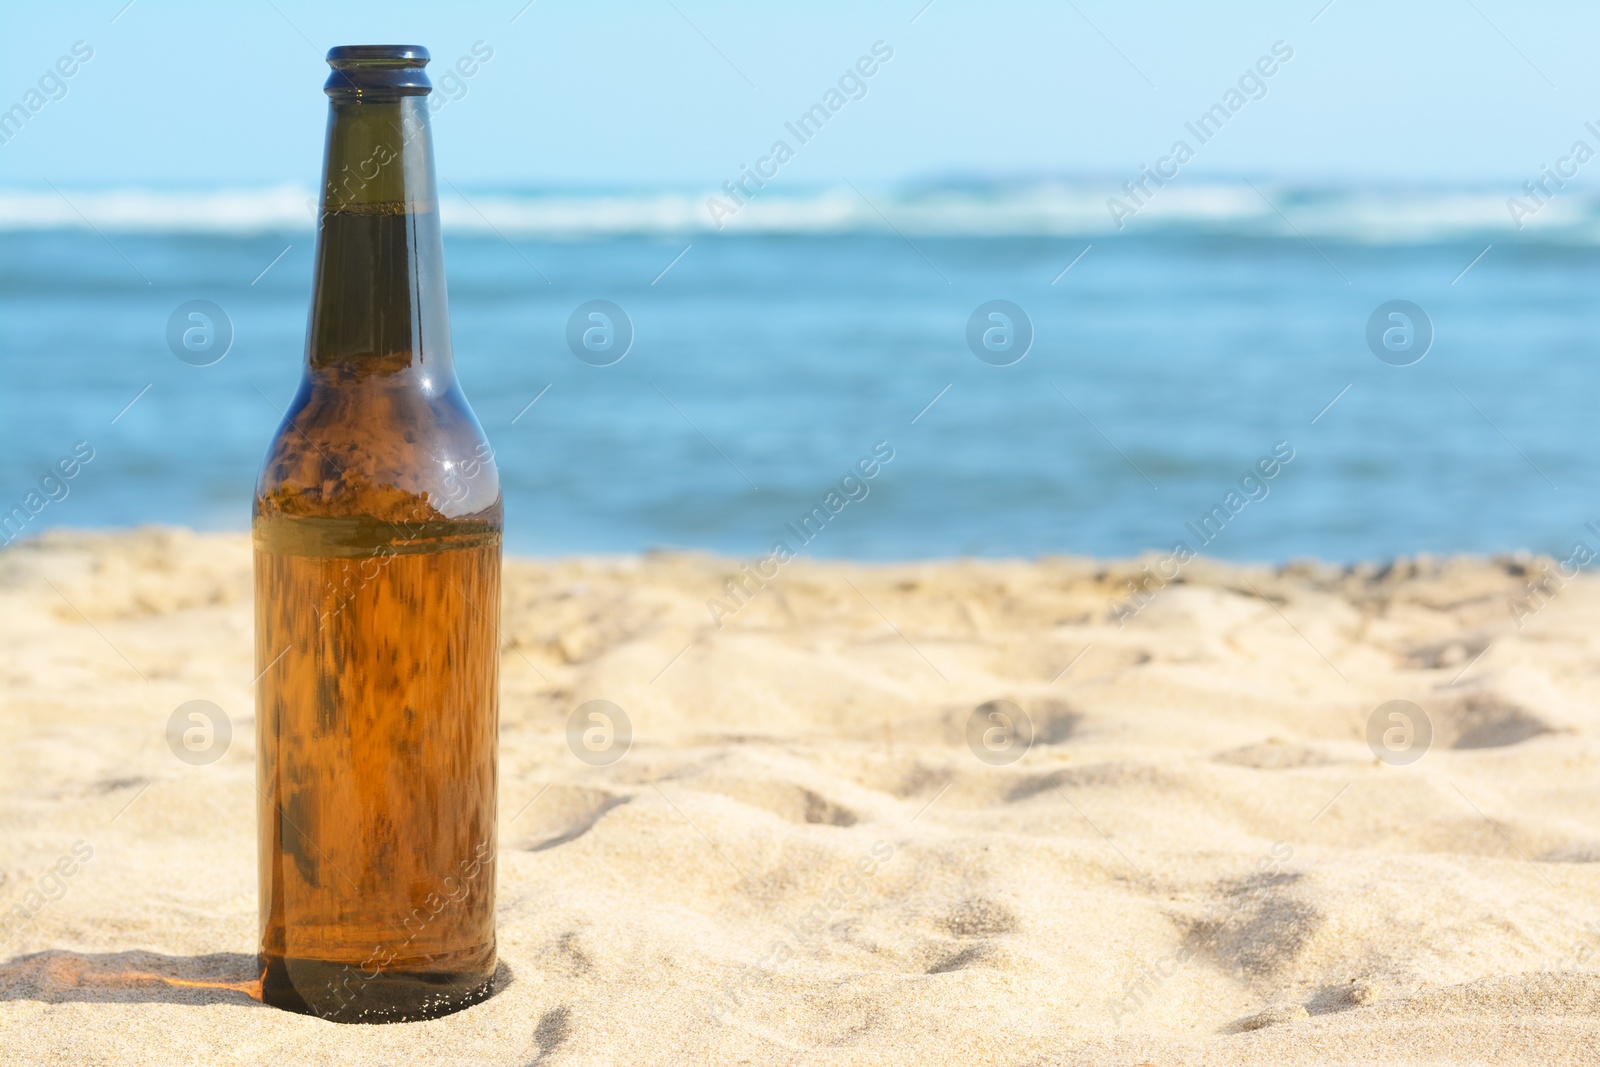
(1203, 342)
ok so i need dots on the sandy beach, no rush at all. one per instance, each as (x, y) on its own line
(802, 858)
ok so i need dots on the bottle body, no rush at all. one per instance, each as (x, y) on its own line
(376, 530)
(376, 750)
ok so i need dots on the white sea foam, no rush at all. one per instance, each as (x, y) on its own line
(1044, 208)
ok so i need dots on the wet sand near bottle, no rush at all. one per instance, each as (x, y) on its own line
(800, 859)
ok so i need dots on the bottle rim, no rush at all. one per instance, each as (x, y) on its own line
(377, 56)
(377, 71)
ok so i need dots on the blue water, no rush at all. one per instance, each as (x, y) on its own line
(764, 365)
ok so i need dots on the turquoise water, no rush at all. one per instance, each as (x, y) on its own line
(1165, 365)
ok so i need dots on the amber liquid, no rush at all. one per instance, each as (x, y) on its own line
(376, 726)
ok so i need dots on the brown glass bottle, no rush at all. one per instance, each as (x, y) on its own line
(377, 527)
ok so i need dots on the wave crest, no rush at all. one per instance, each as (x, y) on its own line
(1045, 208)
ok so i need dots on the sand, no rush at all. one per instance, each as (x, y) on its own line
(1198, 860)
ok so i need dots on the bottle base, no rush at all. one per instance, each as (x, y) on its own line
(340, 992)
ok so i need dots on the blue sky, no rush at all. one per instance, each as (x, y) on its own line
(647, 93)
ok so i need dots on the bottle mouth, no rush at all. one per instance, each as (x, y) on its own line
(377, 71)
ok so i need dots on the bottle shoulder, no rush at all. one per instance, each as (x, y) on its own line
(392, 446)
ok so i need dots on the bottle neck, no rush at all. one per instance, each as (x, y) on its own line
(378, 299)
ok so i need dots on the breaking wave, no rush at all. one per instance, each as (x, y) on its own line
(1053, 208)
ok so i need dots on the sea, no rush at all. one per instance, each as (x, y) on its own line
(1257, 371)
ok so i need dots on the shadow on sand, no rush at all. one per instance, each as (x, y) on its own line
(56, 976)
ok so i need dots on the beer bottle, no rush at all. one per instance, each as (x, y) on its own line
(376, 528)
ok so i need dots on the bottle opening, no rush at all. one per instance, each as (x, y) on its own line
(378, 71)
